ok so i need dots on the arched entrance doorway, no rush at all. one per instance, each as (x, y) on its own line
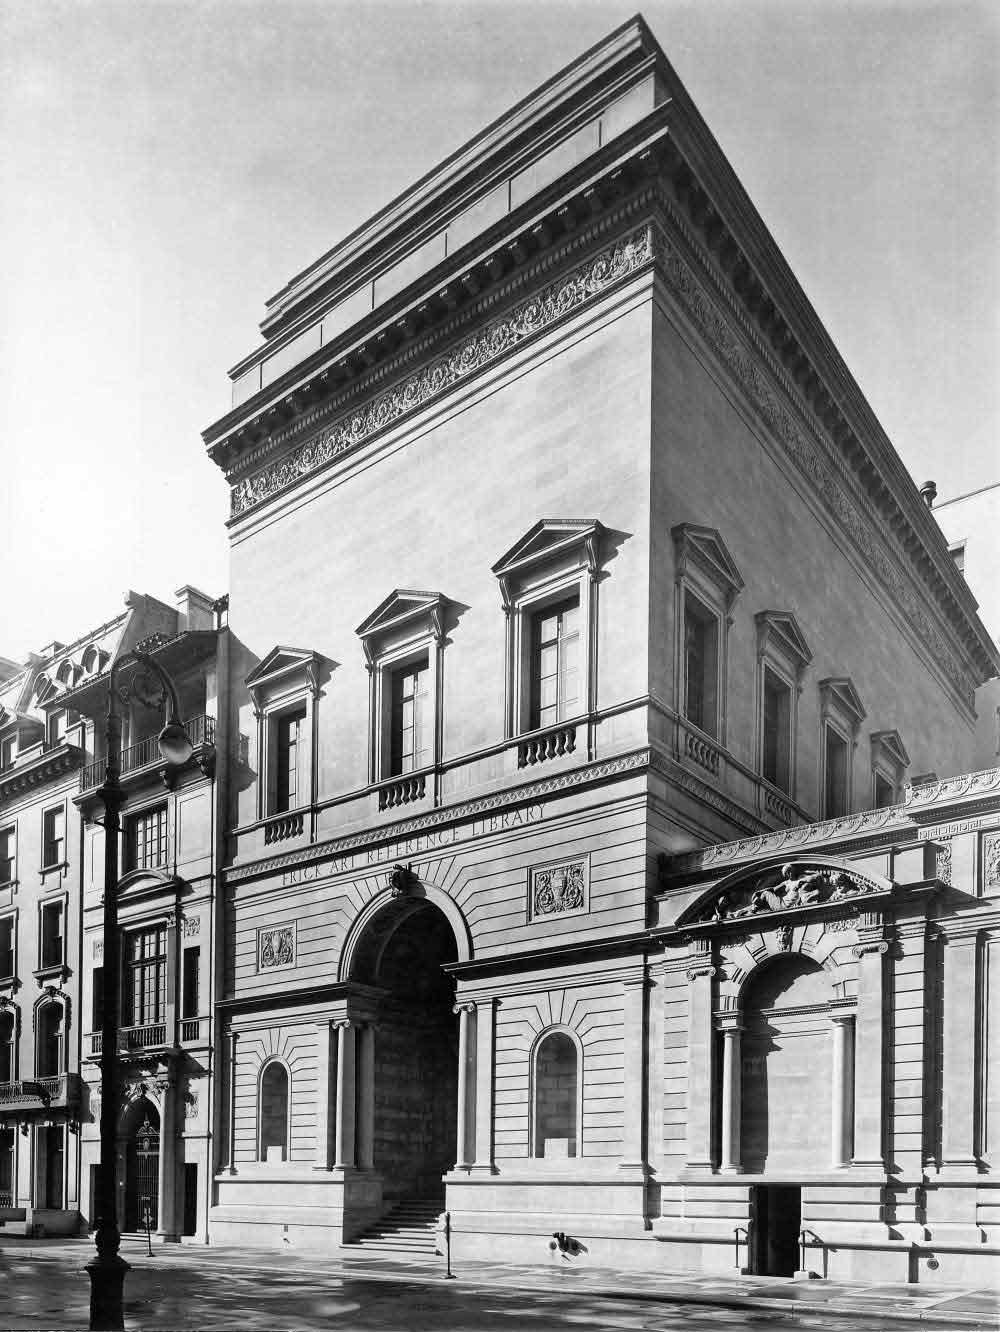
(785, 1101)
(142, 1168)
(402, 951)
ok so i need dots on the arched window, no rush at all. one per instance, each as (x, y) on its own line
(274, 1113)
(48, 1063)
(556, 1106)
(6, 1047)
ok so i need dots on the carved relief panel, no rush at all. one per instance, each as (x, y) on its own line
(559, 890)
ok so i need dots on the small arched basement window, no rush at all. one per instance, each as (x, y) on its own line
(274, 1113)
(50, 1041)
(556, 1100)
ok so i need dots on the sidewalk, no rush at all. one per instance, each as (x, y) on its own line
(940, 1307)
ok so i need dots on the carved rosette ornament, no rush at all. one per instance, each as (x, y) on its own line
(558, 888)
(794, 885)
(991, 861)
(277, 947)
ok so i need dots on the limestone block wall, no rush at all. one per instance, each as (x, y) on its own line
(295, 1047)
(794, 554)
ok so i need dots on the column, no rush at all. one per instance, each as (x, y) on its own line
(166, 1226)
(869, 1061)
(366, 1097)
(700, 1032)
(485, 1026)
(346, 1101)
(633, 1154)
(959, 1040)
(233, 1038)
(732, 1099)
(466, 1087)
(842, 1105)
(324, 1095)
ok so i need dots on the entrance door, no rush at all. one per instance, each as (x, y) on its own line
(6, 1167)
(775, 1221)
(142, 1182)
(53, 1148)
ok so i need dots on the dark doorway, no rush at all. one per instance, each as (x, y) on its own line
(190, 1198)
(142, 1172)
(416, 1046)
(53, 1148)
(775, 1222)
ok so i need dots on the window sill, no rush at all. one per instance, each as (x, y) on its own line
(61, 865)
(58, 970)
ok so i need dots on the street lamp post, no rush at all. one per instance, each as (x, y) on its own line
(107, 1270)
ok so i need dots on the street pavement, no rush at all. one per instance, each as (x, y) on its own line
(43, 1286)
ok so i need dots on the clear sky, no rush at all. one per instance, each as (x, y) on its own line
(167, 166)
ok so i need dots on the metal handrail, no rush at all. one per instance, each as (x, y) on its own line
(201, 731)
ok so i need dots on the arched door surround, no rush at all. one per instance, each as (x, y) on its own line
(397, 1064)
(786, 976)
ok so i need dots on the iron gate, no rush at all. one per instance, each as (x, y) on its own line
(146, 1195)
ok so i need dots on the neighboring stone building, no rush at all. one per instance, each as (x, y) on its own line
(44, 745)
(971, 525)
(173, 830)
(563, 546)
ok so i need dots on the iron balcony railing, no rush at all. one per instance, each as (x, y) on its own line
(133, 1038)
(201, 731)
(41, 1093)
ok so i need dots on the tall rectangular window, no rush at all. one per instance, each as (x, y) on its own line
(56, 728)
(8, 751)
(290, 749)
(190, 976)
(144, 988)
(53, 837)
(885, 792)
(555, 664)
(409, 721)
(6, 946)
(52, 934)
(147, 839)
(776, 739)
(701, 666)
(835, 774)
(97, 1000)
(7, 844)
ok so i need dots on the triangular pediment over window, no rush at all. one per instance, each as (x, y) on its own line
(890, 745)
(400, 608)
(283, 666)
(779, 631)
(839, 696)
(548, 539)
(704, 548)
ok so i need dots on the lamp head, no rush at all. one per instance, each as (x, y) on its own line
(175, 743)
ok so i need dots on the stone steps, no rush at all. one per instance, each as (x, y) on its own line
(409, 1227)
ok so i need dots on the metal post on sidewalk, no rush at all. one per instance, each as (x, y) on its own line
(449, 1274)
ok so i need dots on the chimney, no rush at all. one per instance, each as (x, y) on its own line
(195, 610)
(928, 493)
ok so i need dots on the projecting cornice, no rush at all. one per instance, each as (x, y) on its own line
(587, 236)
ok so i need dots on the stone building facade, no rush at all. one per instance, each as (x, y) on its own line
(564, 546)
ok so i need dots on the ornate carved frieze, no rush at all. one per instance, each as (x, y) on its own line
(786, 839)
(953, 788)
(991, 861)
(276, 947)
(794, 885)
(558, 889)
(626, 257)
